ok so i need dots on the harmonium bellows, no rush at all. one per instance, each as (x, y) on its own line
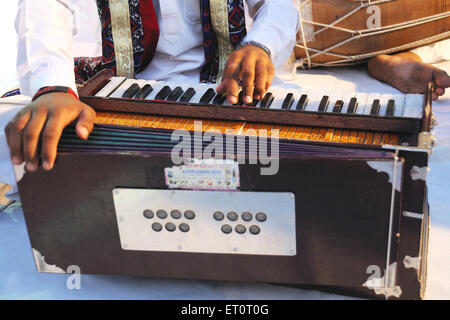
(318, 189)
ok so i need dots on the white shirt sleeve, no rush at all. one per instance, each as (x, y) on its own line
(275, 25)
(45, 29)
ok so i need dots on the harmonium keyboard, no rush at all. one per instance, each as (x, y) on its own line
(318, 189)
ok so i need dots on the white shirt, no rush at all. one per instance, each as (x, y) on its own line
(45, 29)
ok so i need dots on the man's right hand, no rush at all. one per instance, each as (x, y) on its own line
(45, 118)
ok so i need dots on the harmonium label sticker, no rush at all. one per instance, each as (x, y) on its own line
(204, 174)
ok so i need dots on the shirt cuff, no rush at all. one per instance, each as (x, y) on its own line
(278, 36)
(256, 44)
(50, 75)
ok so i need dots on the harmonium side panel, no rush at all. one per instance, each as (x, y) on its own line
(342, 220)
(414, 224)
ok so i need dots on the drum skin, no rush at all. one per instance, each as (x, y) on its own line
(387, 13)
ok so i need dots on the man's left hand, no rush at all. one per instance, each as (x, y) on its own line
(251, 66)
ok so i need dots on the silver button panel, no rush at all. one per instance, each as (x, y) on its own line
(236, 222)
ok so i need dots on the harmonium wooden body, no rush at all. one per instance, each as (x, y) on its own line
(321, 190)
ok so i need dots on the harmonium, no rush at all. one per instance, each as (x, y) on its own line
(315, 189)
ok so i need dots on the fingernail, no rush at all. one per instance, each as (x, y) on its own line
(16, 160)
(233, 100)
(257, 97)
(84, 132)
(248, 99)
(46, 165)
(31, 166)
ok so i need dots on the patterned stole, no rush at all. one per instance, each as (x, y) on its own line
(223, 24)
(129, 50)
(134, 46)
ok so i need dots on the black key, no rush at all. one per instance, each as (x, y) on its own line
(208, 95)
(163, 93)
(352, 106)
(187, 95)
(254, 102)
(288, 101)
(375, 107)
(390, 108)
(301, 105)
(323, 105)
(338, 106)
(175, 94)
(220, 98)
(131, 91)
(240, 100)
(267, 100)
(145, 91)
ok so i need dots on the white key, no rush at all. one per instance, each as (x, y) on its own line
(142, 83)
(362, 100)
(278, 97)
(399, 104)
(297, 96)
(370, 98)
(181, 85)
(334, 96)
(110, 87)
(314, 97)
(347, 96)
(173, 85)
(123, 87)
(157, 86)
(200, 90)
(414, 104)
(323, 94)
(258, 105)
(384, 102)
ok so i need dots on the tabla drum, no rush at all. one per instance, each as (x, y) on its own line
(343, 32)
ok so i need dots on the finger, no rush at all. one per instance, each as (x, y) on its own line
(232, 91)
(14, 135)
(260, 80)
(221, 88)
(231, 79)
(270, 76)
(434, 96)
(271, 73)
(50, 137)
(85, 123)
(30, 138)
(248, 73)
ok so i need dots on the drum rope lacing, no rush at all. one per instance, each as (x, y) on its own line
(358, 34)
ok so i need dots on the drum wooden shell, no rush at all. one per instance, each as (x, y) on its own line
(373, 39)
